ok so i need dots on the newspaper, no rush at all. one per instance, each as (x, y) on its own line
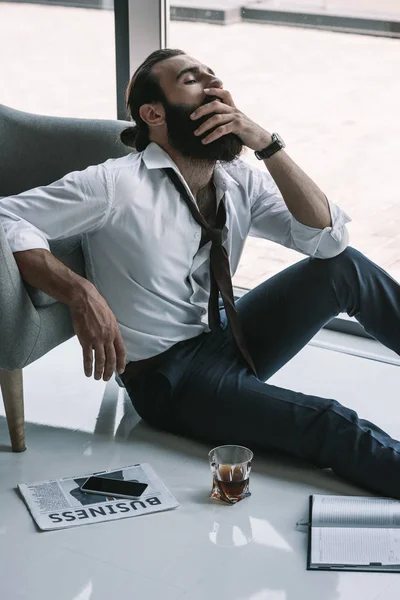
(60, 503)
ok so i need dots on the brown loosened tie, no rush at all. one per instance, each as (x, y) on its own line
(220, 273)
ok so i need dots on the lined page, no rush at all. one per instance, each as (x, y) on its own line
(355, 511)
(354, 546)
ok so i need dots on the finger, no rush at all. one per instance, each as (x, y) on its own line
(121, 353)
(212, 107)
(221, 93)
(213, 122)
(88, 360)
(100, 359)
(111, 359)
(219, 132)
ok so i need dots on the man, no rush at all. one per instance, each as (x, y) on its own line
(146, 307)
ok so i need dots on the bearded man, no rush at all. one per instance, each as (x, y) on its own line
(163, 229)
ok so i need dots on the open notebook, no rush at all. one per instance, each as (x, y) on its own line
(354, 533)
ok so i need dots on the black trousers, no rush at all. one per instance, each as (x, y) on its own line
(202, 388)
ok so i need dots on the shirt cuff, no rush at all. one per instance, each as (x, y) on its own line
(308, 239)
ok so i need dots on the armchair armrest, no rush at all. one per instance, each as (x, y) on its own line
(19, 321)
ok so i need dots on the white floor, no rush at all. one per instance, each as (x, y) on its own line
(251, 551)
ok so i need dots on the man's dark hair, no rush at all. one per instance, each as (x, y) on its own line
(144, 87)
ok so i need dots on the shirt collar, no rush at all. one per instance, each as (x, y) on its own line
(154, 157)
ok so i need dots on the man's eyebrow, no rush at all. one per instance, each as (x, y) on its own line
(194, 70)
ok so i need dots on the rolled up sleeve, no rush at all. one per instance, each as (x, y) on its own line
(323, 243)
(77, 203)
(272, 220)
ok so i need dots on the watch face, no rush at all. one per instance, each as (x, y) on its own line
(277, 137)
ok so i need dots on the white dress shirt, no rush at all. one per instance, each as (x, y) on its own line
(141, 244)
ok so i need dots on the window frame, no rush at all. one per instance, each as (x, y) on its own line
(140, 27)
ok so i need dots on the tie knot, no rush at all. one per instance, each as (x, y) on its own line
(215, 235)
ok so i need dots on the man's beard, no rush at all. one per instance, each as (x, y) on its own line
(180, 135)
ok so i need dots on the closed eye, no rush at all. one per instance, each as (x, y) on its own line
(190, 81)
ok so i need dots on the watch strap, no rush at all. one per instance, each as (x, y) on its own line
(276, 145)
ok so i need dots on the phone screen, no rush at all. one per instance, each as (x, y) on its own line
(104, 485)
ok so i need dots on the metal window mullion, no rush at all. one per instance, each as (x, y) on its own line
(140, 28)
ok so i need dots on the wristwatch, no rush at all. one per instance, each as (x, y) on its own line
(276, 144)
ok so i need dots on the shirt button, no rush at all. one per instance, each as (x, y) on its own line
(197, 236)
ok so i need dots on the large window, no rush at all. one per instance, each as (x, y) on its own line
(58, 60)
(334, 98)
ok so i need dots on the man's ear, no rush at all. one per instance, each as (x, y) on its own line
(152, 114)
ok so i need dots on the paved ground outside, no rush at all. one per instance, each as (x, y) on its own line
(371, 7)
(334, 98)
(367, 8)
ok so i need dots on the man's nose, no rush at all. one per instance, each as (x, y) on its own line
(215, 82)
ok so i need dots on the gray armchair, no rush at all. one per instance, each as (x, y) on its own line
(37, 150)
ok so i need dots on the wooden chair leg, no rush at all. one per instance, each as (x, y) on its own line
(11, 385)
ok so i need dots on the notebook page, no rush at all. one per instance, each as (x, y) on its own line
(354, 546)
(355, 511)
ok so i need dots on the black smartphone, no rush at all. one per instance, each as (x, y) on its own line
(113, 487)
